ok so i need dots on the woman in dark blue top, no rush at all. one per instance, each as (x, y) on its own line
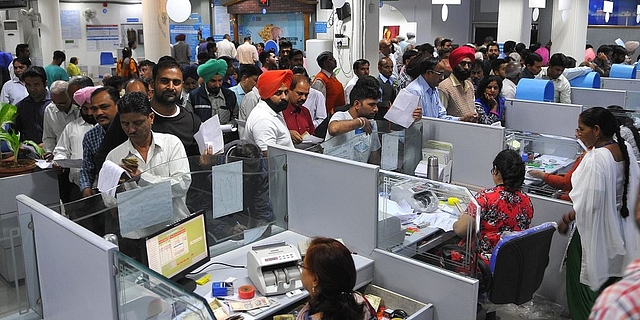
(489, 100)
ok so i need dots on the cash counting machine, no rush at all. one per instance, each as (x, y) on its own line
(273, 268)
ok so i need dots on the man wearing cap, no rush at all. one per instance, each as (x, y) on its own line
(327, 83)
(211, 98)
(456, 92)
(631, 47)
(265, 125)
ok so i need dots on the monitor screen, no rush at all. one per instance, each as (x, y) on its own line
(180, 248)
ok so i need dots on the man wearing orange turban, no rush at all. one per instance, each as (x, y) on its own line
(456, 92)
(265, 125)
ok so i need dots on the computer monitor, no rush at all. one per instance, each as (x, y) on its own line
(178, 249)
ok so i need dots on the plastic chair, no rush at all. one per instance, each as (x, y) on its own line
(518, 263)
(106, 58)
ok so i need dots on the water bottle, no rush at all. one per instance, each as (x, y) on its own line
(433, 172)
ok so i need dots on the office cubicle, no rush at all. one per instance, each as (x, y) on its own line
(621, 84)
(542, 117)
(40, 185)
(474, 147)
(598, 97)
(348, 209)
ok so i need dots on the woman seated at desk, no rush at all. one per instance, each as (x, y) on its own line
(503, 208)
(329, 274)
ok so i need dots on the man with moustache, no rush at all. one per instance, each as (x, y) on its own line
(297, 117)
(456, 92)
(29, 121)
(265, 125)
(170, 117)
(57, 114)
(69, 144)
(360, 69)
(14, 90)
(103, 108)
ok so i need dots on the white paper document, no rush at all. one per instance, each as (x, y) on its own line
(401, 112)
(226, 189)
(251, 235)
(440, 220)
(109, 177)
(210, 134)
(307, 138)
(43, 164)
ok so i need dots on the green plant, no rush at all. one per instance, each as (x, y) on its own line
(8, 114)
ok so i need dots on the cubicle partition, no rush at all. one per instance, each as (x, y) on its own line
(542, 117)
(75, 266)
(474, 147)
(338, 198)
(598, 97)
(621, 84)
(553, 285)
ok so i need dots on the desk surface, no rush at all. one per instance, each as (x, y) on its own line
(364, 267)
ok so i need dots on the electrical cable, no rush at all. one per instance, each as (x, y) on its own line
(214, 263)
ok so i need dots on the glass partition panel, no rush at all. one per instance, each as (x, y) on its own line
(13, 291)
(416, 219)
(144, 294)
(402, 150)
(544, 154)
(243, 199)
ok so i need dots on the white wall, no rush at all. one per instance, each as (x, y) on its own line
(116, 14)
(458, 25)
(390, 16)
(417, 11)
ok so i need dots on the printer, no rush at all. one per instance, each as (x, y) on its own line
(273, 268)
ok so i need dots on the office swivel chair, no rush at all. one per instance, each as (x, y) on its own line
(517, 265)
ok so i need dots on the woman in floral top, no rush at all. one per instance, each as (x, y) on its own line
(503, 208)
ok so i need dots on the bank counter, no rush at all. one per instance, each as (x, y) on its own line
(390, 221)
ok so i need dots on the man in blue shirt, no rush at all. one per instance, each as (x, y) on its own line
(248, 78)
(428, 75)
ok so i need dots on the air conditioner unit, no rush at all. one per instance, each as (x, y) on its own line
(13, 33)
(7, 4)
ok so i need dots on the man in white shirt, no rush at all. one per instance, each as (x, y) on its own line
(360, 69)
(265, 125)
(69, 144)
(57, 114)
(510, 82)
(561, 85)
(14, 90)
(226, 48)
(247, 53)
(159, 156)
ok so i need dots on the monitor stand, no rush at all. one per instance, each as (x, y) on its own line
(188, 284)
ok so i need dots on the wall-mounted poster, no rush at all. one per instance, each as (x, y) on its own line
(624, 13)
(265, 27)
(390, 32)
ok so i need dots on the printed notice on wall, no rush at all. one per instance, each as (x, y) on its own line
(102, 37)
(70, 24)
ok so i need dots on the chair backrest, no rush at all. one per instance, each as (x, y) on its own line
(518, 263)
(106, 57)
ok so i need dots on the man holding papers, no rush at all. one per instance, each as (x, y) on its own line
(151, 156)
(428, 74)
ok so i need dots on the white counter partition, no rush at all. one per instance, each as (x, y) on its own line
(332, 197)
(543, 117)
(553, 285)
(75, 266)
(621, 84)
(474, 147)
(598, 97)
(454, 296)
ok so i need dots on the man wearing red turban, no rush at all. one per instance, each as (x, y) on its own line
(265, 125)
(456, 92)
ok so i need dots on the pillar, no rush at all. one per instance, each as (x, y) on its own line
(156, 29)
(570, 37)
(514, 21)
(50, 29)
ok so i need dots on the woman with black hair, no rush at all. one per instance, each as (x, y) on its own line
(489, 100)
(628, 130)
(605, 187)
(127, 67)
(503, 208)
(329, 275)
